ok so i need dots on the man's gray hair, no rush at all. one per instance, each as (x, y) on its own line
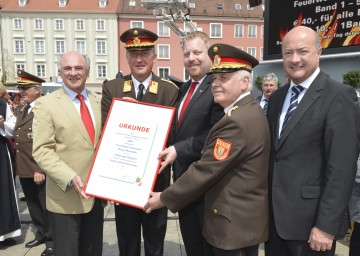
(244, 73)
(270, 77)
(86, 58)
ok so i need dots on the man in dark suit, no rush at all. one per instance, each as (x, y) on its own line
(67, 127)
(145, 86)
(32, 178)
(232, 170)
(315, 130)
(268, 86)
(190, 132)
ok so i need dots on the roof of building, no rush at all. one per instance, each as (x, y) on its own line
(53, 6)
(223, 8)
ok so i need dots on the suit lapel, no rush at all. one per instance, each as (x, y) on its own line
(205, 85)
(310, 96)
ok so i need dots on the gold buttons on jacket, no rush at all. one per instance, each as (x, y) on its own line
(215, 211)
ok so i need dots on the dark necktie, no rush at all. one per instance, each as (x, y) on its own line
(140, 93)
(86, 117)
(186, 101)
(26, 110)
(265, 106)
(296, 90)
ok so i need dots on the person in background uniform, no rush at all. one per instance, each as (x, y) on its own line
(315, 130)
(66, 128)
(10, 226)
(232, 170)
(269, 85)
(144, 86)
(189, 133)
(32, 178)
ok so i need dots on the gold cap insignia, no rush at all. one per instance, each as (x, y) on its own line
(136, 32)
(217, 60)
(216, 49)
(136, 41)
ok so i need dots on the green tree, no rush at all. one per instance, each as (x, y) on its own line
(352, 78)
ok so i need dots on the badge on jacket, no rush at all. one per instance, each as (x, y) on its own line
(127, 86)
(222, 149)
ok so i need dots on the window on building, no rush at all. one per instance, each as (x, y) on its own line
(164, 72)
(250, 8)
(59, 24)
(215, 30)
(136, 24)
(101, 46)
(219, 6)
(38, 24)
(261, 53)
(132, 3)
(62, 3)
(252, 31)
(100, 25)
(79, 25)
(18, 24)
(163, 29)
(59, 46)
(163, 51)
(19, 46)
(237, 6)
(188, 28)
(40, 69)
(39, 46)
(101, 71)
(80, 46)
(252, 51)
(19, 66)
(239, 30)
(103, 3)
(22, 3)
(262, 31)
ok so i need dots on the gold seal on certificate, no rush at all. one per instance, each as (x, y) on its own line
(126, 164)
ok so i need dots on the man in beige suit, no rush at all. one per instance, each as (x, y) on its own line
(66, 127)
(232, 170)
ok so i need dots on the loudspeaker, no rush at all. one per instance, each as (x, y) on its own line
(254, 3)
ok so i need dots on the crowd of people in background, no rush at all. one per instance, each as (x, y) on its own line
(281, 169)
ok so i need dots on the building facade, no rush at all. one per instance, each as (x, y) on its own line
(34, 33)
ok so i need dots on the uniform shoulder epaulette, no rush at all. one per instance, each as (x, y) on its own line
(231, 110)
(170, 82)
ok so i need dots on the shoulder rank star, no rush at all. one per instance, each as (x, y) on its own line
(127, 86)
(153, 87)
(231, 110)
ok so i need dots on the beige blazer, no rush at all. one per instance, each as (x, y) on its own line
(62, 148)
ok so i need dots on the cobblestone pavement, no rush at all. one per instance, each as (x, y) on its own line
(174, 245)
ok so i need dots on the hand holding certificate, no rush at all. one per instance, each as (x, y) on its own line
(125, 166)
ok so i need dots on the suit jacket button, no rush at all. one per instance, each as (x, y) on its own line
(276, 160)
(215, 211)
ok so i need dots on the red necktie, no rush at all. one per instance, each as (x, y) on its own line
(86, 117)
(187, 100)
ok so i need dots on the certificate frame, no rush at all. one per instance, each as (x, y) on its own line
(125, 166)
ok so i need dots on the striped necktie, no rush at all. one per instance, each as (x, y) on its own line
(265, 106)
(296, 90)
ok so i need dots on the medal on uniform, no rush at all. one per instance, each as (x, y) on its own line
(127, 86)
(29, 135)
(153, 87)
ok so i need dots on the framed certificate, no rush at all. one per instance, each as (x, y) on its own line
(125, 166)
